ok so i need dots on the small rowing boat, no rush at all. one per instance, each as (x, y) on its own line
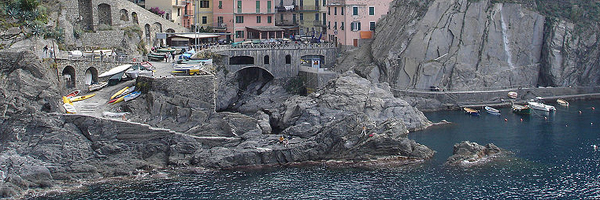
(562, 102)
(512, 95)
(97, 86)
(521, 109)
(471, 111)
(72, 94)
(541, 106)
(492, 111)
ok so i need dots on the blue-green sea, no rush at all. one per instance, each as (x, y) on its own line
(552, 157)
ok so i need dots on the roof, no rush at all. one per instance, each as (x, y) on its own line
(265, 28)
(195, 36)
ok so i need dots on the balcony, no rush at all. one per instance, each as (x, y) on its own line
(290, 8)
(336, 2)
(219, 26)
(318, 23)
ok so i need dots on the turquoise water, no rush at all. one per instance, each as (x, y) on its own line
(552, 157)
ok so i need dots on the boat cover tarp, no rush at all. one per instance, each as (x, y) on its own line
(115, 70)
(116, 78)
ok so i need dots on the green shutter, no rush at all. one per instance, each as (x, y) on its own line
(257, 6)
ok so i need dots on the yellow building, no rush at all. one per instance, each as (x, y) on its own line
(203, 14)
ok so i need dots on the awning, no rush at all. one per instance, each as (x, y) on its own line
(195, 36)
(265, 28)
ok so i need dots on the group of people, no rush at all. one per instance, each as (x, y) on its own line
(48, 52)
(284, 141)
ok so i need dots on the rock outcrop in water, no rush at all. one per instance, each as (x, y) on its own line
(466, 153)
(475, 45)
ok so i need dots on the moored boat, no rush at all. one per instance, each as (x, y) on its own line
(97, 86)
(521, 109)
(471, 111)
(541, 106)
(562, 102)
(492, 111)
(512, 95)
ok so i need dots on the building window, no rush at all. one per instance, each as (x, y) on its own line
(178, 12)
(239, 19)
(355, 26)
(239, 34)
(258, 19)
(342, 26)
(316, 16)
(324, 2)
(204, 4)
(239, 7)
(257, 6)
(329, 10)
(288, 59)
(220, 21)
(324, 19)
(269, 6)
(329, 25)
(204, 20)
(371, 10)
(372, 26)
(301, 16)
(269, 19)
(220, 4)
(342, 10)
(334, 25)
(294, 18)
(355, 10)
(334, 10)
(266, 60)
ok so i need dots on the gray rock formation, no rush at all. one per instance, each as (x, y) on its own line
(467, 153)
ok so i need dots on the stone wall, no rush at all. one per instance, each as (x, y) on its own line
(315, 78)
(80, 68)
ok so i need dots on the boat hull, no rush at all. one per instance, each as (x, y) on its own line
(541, 106)
(521, 110)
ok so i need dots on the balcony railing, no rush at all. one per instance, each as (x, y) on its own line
(220, 25)
(286, 23)
(286, 8)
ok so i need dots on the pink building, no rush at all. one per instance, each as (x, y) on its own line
(246, 20)
(351, 21)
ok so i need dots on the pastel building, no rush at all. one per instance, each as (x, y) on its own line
(203, 15)
(349, 22)
(301, 17)
(246, 19)
(180, 12)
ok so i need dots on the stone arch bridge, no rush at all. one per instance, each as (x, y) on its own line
(99, 15)
(79, 74)
(281, 61)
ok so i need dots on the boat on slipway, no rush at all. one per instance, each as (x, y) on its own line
(541, 106)
(521, 109)
(492, 111)
(471, 111)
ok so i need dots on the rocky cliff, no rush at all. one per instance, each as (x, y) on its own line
(467, 45)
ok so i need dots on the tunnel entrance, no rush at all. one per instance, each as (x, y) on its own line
(251, 82)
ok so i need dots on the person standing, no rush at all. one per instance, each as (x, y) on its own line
(45, 50)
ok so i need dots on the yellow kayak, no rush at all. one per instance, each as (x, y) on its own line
(115, 101)
(80, 98)
(67, 100)
(119, 92)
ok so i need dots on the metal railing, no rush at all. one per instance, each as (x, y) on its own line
(290, 45)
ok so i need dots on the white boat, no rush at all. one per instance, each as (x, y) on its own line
(512, 95)
(541, 106)
(562, 102)
(114, 114)
(97, 86)
(492, 111)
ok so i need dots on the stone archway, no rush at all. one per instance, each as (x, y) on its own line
(135, 17)
(157, 27)
(86, 14)
(91, 76)
(124, 15)
(104, 14)
(68, 75)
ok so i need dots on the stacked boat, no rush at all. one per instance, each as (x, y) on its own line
(72, 97)
(125, 94)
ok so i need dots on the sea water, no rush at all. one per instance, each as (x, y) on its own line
(552, 157)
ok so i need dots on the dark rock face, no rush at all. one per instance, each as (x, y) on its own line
(466, 153)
